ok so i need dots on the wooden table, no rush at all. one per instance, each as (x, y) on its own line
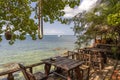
(96, 49)
(65, 64)
(100, 55)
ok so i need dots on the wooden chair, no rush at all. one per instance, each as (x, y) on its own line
(85, 68)
(30, 76)
(97, 61)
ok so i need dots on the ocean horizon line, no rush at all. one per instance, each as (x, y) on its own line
(51, 35)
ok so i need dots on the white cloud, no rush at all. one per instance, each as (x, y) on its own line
(68, 9)
(70, 12)
(85, 5)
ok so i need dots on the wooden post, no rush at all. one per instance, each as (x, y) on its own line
(77, 56)
(47, 69)
(68, 75)
(88, 73)
(78, 74)
(68, 53)
(31, 69)
(73, 57)
(10, 76)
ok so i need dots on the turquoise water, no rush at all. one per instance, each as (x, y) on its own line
(30, 51)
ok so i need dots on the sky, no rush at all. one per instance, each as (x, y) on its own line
(61, 29)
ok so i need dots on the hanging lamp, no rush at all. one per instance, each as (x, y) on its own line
(40, 20)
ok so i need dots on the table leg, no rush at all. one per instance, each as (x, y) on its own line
(78, 74)
(68, 76)
(47, 69)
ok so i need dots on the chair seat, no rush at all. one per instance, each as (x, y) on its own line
(39, 76)
(83, 67)
(85, 72)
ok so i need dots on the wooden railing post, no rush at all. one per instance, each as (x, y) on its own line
(73, 57)
(31, 69)
(68, 54)
(10, 76)
(77, 56)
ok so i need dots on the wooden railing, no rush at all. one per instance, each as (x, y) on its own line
(9, 73)
(71, 54)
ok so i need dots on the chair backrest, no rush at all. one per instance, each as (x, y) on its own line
(27, 75)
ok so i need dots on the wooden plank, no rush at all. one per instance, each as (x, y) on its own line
(60, 75)
(66, 61)
(62, 62)
(72, 63)
(18, 69)
(58, 60)
(73, 66)
(66, 65)
(9, 71)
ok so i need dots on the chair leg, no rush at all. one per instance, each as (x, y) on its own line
(88, 73)
(81, 72)
(78, 74)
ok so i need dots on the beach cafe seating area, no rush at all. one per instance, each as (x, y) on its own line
(82, 64)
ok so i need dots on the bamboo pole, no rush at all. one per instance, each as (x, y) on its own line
(40, 20)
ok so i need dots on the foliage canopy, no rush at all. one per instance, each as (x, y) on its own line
(103, 20)
(15, 16)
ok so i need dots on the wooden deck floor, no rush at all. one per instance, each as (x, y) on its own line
(106, 73)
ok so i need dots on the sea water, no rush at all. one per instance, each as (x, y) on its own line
(32, 51)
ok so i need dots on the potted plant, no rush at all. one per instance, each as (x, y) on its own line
(8, 33)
